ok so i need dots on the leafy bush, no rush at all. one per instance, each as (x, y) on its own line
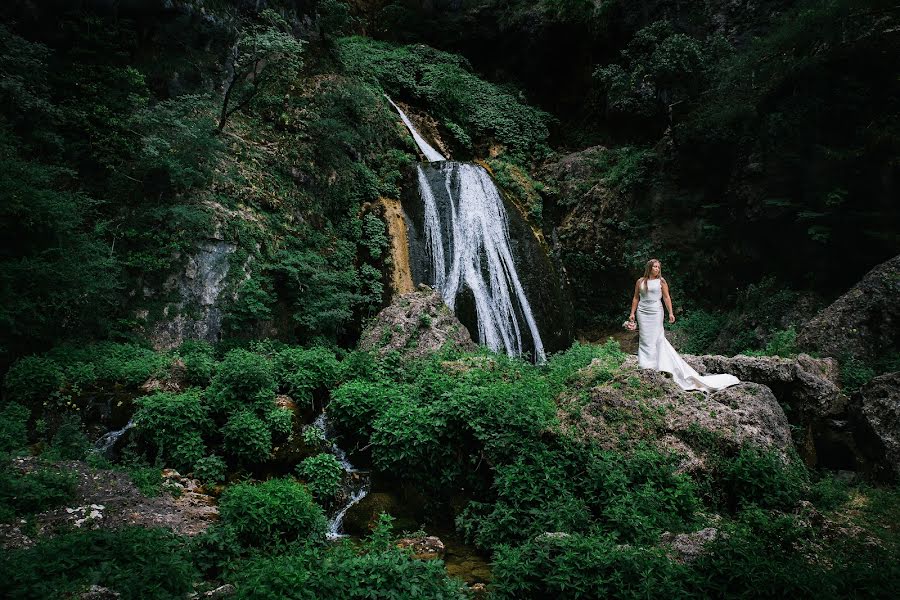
(172, 427)
(376, 570)
(32, 380)
(301, 372)
(247, 438)
(134, 561)
(243, 380)
(199, 362)
(274, 512)
(210, 469)
(323, 474)
(34, 491)
(583, 566)
(761, 478)
(355, 405)
(13, 427)
(281, 423)
(854, 374)
(69, 442)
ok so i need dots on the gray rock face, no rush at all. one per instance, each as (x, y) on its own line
(807, 388)
(198, 313)
(806, 384)
(640, 405)
(879, 412)
(864, 322)
(415, 324)
(685, 547)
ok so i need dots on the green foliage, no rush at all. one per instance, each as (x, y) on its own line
(34, 491)
(828, 492)
(702, 328)
(210, 469)
(134, 561)
(199, 362)
(762, 478)
(267, 59)
(854, 374)
(148, 480)
(281, 423)
(278, 511)
(33, 380)
(562, 366)
(375, 570)
(445, 85)
(243, 380)
(301, 373)
(247, 438)
(323, 475)
(584, 566)
(13, 428)
(172, 426)
(69, 442)
(355, 405)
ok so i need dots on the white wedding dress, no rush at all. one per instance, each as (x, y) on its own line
(655, 351)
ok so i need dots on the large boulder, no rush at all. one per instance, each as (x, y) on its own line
(879, 423)
(639, 405)
(863, 323)
(807, 389)
(416, 324)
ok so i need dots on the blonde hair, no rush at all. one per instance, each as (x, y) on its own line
(647, 269)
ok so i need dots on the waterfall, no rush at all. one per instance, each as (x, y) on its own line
(357, 482)
(108, 440)
(430, 153)
(476, 254)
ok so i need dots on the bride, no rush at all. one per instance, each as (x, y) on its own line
(655, 351)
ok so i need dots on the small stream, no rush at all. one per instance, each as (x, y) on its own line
(108, 440)
(356, 482)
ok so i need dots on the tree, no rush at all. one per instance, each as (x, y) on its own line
(265, 55)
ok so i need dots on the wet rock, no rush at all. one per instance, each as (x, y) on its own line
(863, 323)
(685, 547)
(360, 518)
(879, 416)
(807, 387)
(426, 547)
(97, 592)
(416, 324)
(222, 591)
(634, 405)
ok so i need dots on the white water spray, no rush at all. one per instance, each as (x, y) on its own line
(479, 248)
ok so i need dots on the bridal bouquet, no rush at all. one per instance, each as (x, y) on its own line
(629, 325)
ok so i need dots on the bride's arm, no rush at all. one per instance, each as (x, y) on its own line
(667, 299)
(634, 300)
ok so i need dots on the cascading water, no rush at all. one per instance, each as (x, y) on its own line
(108, 440)
(356, 481)
(468, 244)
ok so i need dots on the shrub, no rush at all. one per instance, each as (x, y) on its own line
(343, 572)
(247, 438)
(355, 405)
(281, 423)
(32, 380)
(69, 442)
(302, 373)
(34, 491)
(271, 513)
(172, 427)
(210, 469)
(13, 427)
(323, 474)
(582, 566)
(199, 363)
(760, 477)
(134, 561)
(854, 374)
(243, 380)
